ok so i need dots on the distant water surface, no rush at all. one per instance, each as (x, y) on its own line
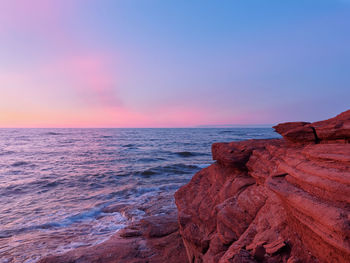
(54, 183)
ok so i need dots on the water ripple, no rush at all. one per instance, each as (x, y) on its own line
(54, 183)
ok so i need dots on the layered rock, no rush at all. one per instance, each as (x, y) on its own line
(153, 238)
(280, 200)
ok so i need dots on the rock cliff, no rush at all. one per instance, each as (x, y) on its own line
(278, 200)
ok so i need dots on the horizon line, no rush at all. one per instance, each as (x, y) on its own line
(182, 127)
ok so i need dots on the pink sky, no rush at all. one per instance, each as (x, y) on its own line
(105, 63)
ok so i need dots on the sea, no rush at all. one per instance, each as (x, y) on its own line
(55, 183)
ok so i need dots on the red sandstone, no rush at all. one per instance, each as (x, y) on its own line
(280, 200)
(154, 238)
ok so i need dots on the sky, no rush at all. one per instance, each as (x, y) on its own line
(172, 63)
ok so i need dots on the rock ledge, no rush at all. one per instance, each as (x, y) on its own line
(280, 200)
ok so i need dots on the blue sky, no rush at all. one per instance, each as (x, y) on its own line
(151, 63)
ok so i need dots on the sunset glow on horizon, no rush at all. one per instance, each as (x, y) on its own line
(145, 63)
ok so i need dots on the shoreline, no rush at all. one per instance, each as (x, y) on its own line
(154, 237)
(272, 201)
(268, 200)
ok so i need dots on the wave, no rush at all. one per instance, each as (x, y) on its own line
(53, 133)
(222, 132)
(169, 170)
(234, 132)
(129, 145)
(19, 163)
(10, 232)
(204, 165)
(185, 154)
(29, 186)
(189, 154)
(83, 216)
(7, 152)
(65, 185)
(148, 173)
(149, 160)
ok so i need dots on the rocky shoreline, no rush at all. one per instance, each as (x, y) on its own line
(278, 200)
(152, 237)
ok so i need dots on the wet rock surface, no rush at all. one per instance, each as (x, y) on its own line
(154, 237)
(279, 200)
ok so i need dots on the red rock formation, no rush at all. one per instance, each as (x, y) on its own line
(281, 200)
(155, 238)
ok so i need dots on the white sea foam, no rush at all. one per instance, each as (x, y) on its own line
(54, 183)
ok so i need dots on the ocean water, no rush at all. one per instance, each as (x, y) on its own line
(54, 183)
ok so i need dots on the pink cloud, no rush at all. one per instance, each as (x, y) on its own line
(80, 81)
(73, 78)
(76, 86)
(92, 76)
